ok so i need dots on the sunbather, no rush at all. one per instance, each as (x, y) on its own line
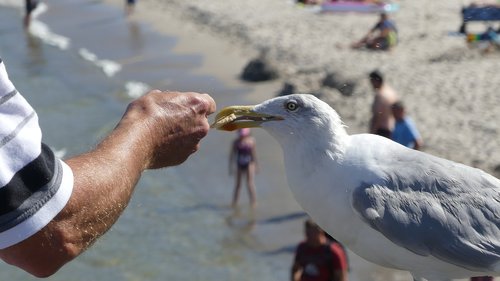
(383, 36)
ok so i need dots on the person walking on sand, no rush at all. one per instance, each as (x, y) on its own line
(242, 156)
(382, 121)
(405, 132)
(318, 259)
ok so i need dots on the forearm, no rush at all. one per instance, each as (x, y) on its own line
(160, 129)
(106, 176)
(144, 139)
(104, 182)
(295, 273)
(418, 144)
(104, 179)
(340, 275)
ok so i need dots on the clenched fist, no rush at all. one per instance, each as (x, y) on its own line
(168, 126)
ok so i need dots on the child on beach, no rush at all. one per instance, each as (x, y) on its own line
(317, 258)
(405, 132)
(242, 156)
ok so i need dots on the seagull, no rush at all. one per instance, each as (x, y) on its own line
(392, 205)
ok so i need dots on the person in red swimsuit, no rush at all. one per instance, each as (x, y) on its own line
(243, 157)
(318, 259)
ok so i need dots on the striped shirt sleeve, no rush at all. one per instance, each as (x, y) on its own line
(34, 184)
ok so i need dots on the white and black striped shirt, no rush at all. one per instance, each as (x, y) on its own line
(34, 184)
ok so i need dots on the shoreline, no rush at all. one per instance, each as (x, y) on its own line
(222, 59)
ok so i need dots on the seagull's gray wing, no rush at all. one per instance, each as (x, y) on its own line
(432, 206)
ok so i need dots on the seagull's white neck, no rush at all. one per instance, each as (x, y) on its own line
(307, 148)
(311, 161)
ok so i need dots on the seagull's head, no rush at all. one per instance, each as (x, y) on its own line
(300, 115)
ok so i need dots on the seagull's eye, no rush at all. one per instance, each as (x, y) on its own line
(291, 106)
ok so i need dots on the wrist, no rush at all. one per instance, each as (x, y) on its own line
(126, 145)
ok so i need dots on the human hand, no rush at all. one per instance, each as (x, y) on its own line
(168, 126)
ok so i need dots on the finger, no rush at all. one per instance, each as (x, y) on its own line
(210, 103)
(154, 91)
(203, 104)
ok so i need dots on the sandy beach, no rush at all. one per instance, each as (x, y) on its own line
(451, 91)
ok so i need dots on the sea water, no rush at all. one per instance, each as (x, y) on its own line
(79, 65)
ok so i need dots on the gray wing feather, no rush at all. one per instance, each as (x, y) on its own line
(433, 206)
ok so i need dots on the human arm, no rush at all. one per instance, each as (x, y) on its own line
(415, 134)
(418, 144)
(157, 130)
(371, 33)
(339, 275)
(296, 272)
(339, 262)
(297, 268)
(363, 41)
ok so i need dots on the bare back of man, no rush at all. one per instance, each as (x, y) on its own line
(383, 119)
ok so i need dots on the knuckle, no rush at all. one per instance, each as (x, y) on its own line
(201, 102)
(202, 130)
(196, 148)
(155, 91)
(205, 128)
(146, 100)
(197, 99)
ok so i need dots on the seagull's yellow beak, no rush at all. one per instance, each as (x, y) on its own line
(236, 117)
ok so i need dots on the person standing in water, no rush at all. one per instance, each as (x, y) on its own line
(317, 258)
(242, 156)
(129, 7)
(29, 5)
